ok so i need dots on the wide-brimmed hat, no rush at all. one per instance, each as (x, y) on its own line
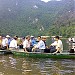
(7, 36)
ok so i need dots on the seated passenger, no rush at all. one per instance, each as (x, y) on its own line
(40, 45)
(33, 41)
(26, 44)
(46, 50)
(13, 44)
(5, 43)
(58, 46)
(0, 42)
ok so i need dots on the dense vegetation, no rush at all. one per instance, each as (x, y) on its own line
(34, 17)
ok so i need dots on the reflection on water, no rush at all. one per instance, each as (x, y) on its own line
(10, 65)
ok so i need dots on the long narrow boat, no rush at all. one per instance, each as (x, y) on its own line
(2, 52)
(44, 55)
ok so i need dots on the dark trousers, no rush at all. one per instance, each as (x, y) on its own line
(29, 49)
(52, 49)
(71, 50)
(21, 46)
(4, 48)
(39, 50)
(47, 50)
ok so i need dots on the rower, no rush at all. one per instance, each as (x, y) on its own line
(58, 45)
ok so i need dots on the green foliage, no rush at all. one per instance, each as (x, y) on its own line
(33, 17)
(66, 31)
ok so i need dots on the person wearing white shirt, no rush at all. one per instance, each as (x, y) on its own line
(58, 45)
(13, 44)
(40, 45)
(26, 44)
(5, 42)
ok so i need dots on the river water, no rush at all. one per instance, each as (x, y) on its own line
(12, 65)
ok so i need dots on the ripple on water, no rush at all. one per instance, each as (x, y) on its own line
(30, 66)
(2, 61)
(12, 61)
(68, 62)
(66, 71)
(1, 73)
(27, 70)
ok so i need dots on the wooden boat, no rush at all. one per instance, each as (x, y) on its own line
(44, 55)
(2, 52)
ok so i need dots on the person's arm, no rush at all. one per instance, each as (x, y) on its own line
(58, 49)
(15, 44)
(34, 48)
(6, 43)
(54, 44)
(25, 50)
(7, 46)
(24, 46)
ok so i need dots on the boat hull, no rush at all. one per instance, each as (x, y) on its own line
(44, 55)
(2, 52)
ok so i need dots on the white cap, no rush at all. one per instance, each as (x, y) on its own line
(32, 36)
(7, 36)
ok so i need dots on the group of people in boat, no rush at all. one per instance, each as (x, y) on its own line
(5, 42)
(55, 47)
(30, 44)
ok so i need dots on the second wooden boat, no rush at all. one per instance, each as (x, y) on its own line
(2, 52)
